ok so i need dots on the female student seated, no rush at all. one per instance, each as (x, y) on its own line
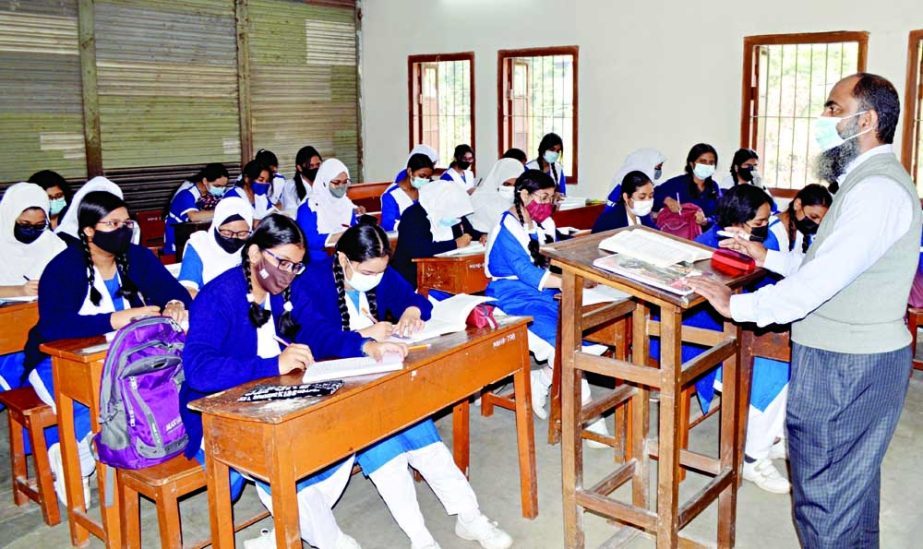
(461, 168)
(196, 202)
(494, 195)
(400, 196)
(300, 186)
(95, 286)
(418, 149)
(360, 294)
(516, 154)
(647, 161)
(696, 186)
(745, 170)
(276, 181)
(795, 227)
(59, 194)
(434, 225)
(328, 211)
(633, 207)
(210, 253)
(254, 188)
(26, 246)
(234, 329)
(68, 229)
(550, 149)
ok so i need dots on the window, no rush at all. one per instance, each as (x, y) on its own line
(913, 110)
(538, 95)
(786, 82)
(441, 95)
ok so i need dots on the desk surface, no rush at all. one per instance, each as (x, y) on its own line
(74, 349)
(578, 255)
(16, 319)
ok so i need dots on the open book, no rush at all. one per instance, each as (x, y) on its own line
(19, 299)
(471, 249)
(351, 367)
(448, 316)
(669, 278)
(653, 248)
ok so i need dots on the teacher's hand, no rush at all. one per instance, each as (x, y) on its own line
(716, 293)
(742, 244)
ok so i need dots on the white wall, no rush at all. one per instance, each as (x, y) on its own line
(661, 73)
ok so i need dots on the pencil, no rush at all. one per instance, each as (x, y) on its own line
(281, 341)
(26, 278)
(419, 347)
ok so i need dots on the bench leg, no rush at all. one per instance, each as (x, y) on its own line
(171, 533)
(131, 520)
(43, 476)
(17, 460)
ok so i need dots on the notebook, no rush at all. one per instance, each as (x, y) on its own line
(670, 278)
(653, 248)
(448, 316)
(470, 249)
(602, 294)
(351, 367)
(19, 299)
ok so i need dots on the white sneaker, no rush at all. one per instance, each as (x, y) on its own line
(266, 540)
(779, 450)
(598, 427)
(346, 542)
(483, 531)
(539, 393)
(56, 464)
(765, 475)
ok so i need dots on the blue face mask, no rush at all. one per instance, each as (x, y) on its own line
(826, 134)
(449, 221)
(56, 205)
(217, 191)
(419, 182)
(260, 188)
(551, 156)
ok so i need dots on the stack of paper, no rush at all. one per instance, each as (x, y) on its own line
(19, 299)
(448, 316)
(351, 367)
(470, 249)
(653, 248)
(602, 294)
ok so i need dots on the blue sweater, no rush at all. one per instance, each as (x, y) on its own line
(414, 240)
(307, 220)
(617, 218)
(63, 289)
(221, 346)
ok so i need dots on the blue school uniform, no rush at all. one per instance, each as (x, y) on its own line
(617, 218)
(261, 205)
(393, 203)
(415, 240)
(684, 187)
(467, 182)
(562, 181)
(516, 283)
(307, 220)
(184, 202)
(769, 376)
(393, 296)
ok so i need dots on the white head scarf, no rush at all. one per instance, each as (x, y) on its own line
(214, 259)
(642, 160)
(24, 260)
(423, 149)
(444, 200)
(332, 213)
(487, 202)
(69, 225)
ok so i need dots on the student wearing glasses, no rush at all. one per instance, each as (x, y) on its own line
(328, 211)
(210, 253)
(95, 286)
(68, 229)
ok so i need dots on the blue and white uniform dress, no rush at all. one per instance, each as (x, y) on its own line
(261, 205)
(393, 203)
(517, 284)
(184, 201)
(465, 179)
(323, 214)
(203, 258)
(561, 180)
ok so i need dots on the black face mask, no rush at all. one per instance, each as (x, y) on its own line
(309, 173)
(806, 225)
(115, 242)
(229, 245)
(759, 234)
(746, 174)
(463, 165)
(27, 234)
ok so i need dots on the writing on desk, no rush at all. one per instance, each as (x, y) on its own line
(504, 340)
(476, 266)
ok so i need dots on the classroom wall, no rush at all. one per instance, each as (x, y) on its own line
(661, 73)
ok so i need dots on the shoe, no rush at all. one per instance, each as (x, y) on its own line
(765, 475)
(779, 450)
(266, 540)
(483, 531)
(598, 427)
(346, 542)
(539, 393)
(56, 464)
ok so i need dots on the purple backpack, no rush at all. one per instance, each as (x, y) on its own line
(139, 417)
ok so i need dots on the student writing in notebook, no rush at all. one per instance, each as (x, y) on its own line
(404, 194)
(93, 287)
(370, 301)
(234, 330)
(328, 211)
(210, 253)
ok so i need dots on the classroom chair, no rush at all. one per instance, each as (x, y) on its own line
(27, 411)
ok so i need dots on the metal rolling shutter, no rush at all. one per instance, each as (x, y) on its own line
(304, 80)
(41, 109)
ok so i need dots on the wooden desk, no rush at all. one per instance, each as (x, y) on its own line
(580, 218)
(16, 319)
(77, 377)
(284, 444)
(575, 258)
(368, 194)
(461, 274)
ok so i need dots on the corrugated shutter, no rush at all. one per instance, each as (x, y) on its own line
(41, 107)
(303, 80)
(167, 73)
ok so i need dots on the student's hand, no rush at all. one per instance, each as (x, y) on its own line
(744, 245)
(587, 283)
(463, 241)
(120, 319)
(177, 311)
(673, 205)
(718, 294)
(379, 331)
(378, 349)
(409, 323)
(295, 357)
(700, 217)
(471, 190)
(360, 210)
(483, 239)
(30, 288)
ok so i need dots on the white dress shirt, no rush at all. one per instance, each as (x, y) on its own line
(874, 215)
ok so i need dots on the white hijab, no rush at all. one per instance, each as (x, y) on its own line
(24, 260)
(69, 224)
(444, 200)
(487, 201)
(642, 160)
(332, 213)
(423, 149)
(214, 259)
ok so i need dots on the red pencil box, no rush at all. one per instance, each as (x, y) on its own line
(732, 263)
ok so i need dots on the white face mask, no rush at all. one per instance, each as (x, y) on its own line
(507, 192)
(642, 207)
(826, 134)
(364, 282)
(703, 171)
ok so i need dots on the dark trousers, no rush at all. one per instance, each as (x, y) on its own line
(842, 412)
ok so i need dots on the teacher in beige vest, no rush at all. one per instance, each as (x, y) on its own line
(846, 301)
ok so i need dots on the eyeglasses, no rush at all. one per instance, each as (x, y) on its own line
(34, 227)
(118, 224)
(544, 198)
(241, 235)
(346, 181)
(286, 265)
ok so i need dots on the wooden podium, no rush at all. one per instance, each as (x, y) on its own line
(668, 515)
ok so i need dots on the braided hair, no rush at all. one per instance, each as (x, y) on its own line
(274, 230)
(94, 207)
(809, 195)
(531, 181)
(548, 141)
(359, 243)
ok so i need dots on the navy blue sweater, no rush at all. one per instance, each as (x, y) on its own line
(617, 218)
